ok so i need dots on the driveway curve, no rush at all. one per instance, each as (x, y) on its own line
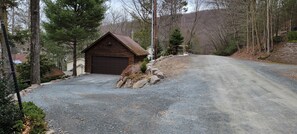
(214, 95)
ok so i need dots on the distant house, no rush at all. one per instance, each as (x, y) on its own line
(19, 58)
(112, 53)
(80, 68)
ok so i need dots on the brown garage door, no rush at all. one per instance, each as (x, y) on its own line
(108, 65)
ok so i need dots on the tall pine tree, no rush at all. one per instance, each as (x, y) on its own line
(71, 22)
(35, 42)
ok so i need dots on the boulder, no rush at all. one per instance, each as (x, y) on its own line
(140, 83)
(131, 69)
(149, 64)
(120, 83)
(151, 70)
(159, 74)
(50, 132)
(154, 79)
(128, 84)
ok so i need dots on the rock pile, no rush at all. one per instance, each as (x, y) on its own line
(132, 77)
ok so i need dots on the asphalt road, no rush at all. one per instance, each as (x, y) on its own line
(215, 95)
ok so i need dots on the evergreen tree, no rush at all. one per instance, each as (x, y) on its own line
(143, 36)
(175, 40)
(9, 114)
(73, 21)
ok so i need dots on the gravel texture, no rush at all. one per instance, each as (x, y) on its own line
(214, 95)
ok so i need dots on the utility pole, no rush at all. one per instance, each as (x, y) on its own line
(155, 27)
(152, 32)
(13, 73)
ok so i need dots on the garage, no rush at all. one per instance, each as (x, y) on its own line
(112, 53)
(108, 65)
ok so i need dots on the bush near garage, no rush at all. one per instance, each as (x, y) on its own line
(9, 113)
(11, 120)
(143, 65)
(48, 72)
(34, 118)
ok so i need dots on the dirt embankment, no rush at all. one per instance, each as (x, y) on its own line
(285, 53)
(173, 66)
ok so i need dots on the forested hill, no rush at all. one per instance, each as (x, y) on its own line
(207, 28)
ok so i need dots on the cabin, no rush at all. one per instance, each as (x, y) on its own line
(112, 53)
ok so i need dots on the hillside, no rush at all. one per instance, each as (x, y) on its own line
(207, 24)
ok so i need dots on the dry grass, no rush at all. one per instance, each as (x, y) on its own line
(173, 66)
(136, 77)
(282, 53)
(248, 55)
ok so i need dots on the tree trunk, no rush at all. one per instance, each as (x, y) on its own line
(258, 38)
(155, 31)
(271, 29)
(12, 21)
(35, 42)
(74, 72)
(268, 27)
(192, 32)
(247, 31)
(4, 55)
(253, 30)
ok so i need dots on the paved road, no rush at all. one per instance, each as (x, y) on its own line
(215, 95)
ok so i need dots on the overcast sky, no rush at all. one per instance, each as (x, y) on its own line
(117, 5)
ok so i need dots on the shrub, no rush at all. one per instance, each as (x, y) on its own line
(277, 39)
(292, 36)
(146, 60)
(23, 84)
(9, 113)
(19, 126)
(10, 119)
(143, 67)
(228, 50)
(23, 71)
(35, 116)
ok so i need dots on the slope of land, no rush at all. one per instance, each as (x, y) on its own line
(207, 25)
(284, 53)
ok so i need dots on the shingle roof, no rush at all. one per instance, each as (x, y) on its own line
(126, 41)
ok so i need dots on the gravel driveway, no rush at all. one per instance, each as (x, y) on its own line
(215, 95)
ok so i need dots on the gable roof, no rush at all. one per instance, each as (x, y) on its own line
(124, 40)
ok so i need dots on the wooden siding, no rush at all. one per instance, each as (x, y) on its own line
(108, 47)
(108, 65)
(139, 59)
